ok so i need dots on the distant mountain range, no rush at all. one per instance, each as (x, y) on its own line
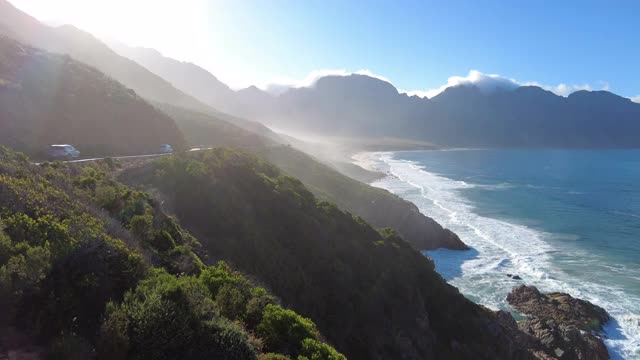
(460, 116)
(355, 105)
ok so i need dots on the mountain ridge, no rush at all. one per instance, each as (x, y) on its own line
(84, 47)
(48, 98)
(460, 116)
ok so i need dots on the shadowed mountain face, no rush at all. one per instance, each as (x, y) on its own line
(86, 48)
(47, 98)
(461, 116)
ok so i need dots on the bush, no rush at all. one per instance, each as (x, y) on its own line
(231, 301)
(318, 350)
(214, 277)
(142, 226)
(113, 341)
(73, 296)
(272, 356)
(170, 318)
(163, 241)
(283, 330)
(255, 306)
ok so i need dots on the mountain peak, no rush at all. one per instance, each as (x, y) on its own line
(355, 83)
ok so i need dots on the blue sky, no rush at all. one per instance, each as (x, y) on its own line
(417, 45)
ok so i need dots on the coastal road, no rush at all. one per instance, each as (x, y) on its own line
(127, 157)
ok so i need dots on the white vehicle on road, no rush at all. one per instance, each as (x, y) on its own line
(62, 152)
(166, 149)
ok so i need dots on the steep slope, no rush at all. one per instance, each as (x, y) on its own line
(91, 269)
(373, 295)
(199, 83)
(86, 48)
(185, 76)
(222, 119)
(377, 206)
(47, 98)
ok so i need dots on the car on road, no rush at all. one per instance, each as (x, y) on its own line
(166, 149)
(62, 152)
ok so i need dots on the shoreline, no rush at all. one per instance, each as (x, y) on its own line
(620, 336)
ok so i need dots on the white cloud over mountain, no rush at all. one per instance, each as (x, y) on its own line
(636, 99)
(491, 82)
(486, 83)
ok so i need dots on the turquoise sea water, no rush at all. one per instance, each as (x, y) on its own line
(563, 220)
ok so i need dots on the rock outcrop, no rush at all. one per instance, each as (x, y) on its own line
(566, 327)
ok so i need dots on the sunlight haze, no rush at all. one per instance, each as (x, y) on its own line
(259, 43)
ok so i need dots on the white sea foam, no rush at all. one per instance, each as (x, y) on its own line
(501, 247)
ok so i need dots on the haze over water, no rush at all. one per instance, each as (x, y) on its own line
(563, 220)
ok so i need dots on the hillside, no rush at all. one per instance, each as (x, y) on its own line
(377, 206)
(47, 98)
(185, 76)
(372, 295)
(86, 48)
(92, 269)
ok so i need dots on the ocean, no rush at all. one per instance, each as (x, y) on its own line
(562, 220)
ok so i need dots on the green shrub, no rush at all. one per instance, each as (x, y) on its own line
(318, 350)
(113, 341)
(106, 197)
(214, 277)
(231, 301)
(170, 318)
(142, 226)
(272, 356)
(163, 241)
(283, 330)
(255, 306)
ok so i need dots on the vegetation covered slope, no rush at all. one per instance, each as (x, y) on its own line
(47, 98)
(92, 269)
(86, 48)
(372, 294)
(377, 206)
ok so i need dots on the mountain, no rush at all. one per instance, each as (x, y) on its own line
(377, 206)
(93, 269)
(185, 76)
(86, 48)
(194, 80)
(47, 98)
(461, 116)
(371, 293)
(344, 105)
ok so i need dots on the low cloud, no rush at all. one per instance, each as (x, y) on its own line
(491, 82)
(485, 82)
(635, 99)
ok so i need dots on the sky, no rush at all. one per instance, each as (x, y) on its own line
(419, 46)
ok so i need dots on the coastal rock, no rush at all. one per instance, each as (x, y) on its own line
(565, 326)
